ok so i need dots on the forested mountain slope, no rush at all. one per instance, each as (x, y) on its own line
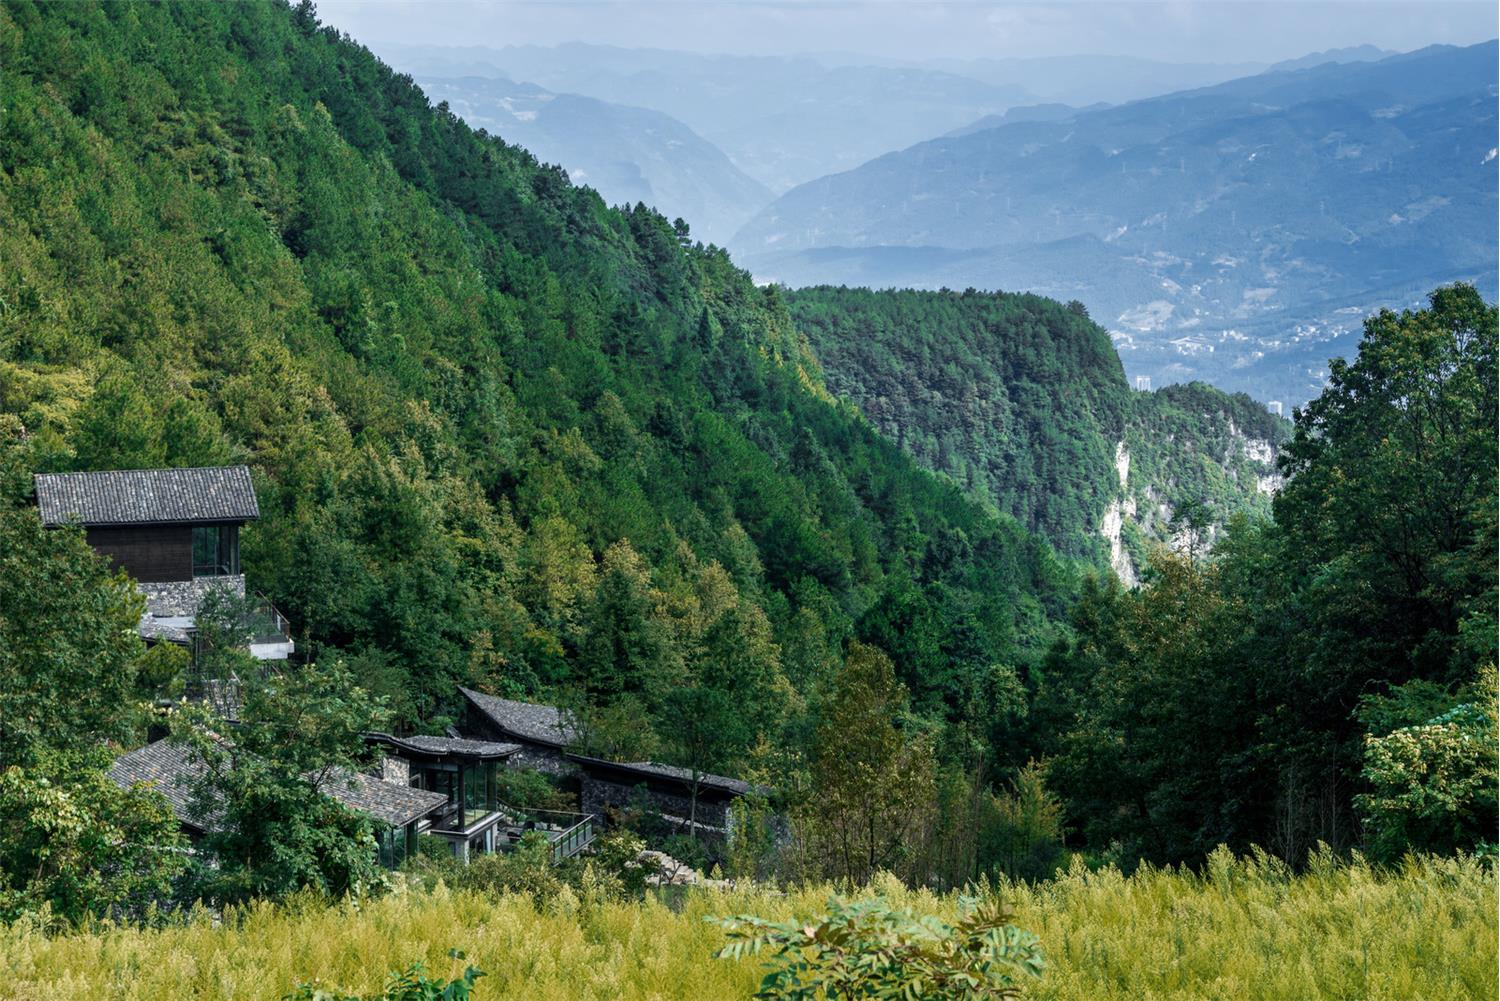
(504, 435)
(501, 433)
(1023, 400)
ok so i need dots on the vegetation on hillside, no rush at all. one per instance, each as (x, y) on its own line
(1327, 675)
(506, 436)
(502, 434)
(1023, 401)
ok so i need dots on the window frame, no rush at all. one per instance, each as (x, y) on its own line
(223, 558)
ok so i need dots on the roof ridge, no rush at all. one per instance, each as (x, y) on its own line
(158, 495)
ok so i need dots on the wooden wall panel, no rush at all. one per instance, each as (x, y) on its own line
(147, 552)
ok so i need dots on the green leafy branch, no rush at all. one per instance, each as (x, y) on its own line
(867, 949)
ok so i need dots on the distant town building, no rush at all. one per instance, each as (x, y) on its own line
(1275, 407)
(1143, 383)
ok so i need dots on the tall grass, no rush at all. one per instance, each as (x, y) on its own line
(1240, 929)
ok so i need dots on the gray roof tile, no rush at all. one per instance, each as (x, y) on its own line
(525, 720)
(652, 769)
(147, 496)
(169, 768)
(387, 802)
(447, 745)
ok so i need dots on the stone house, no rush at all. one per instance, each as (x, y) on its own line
(177, 533)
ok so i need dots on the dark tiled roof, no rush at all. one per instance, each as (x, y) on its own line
(447, 745)
(147, 496)
(525, 720)
(169, 768)
(387, 802)
(653, 770)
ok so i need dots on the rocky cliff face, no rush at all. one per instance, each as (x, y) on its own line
(1120, 510)
(1218, 472)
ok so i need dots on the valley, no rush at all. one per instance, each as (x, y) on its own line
(412, 536)
(1233, 235)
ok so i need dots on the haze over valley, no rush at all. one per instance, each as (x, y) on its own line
(1226, 221)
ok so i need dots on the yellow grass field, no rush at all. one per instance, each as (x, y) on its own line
(1240, 930)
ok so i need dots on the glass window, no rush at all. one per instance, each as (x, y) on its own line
(473, 793)
(216, 550)
(387, 843)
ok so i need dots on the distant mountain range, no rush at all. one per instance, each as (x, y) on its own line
(1233, 233)
(1351, 54)
(625, 153)
(1092, 78)
(782, 120)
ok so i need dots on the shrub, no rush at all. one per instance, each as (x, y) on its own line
(1432, 786)
(526, 787)
(412, 985)
(1022, 830)
(74, 844)
(869, 949)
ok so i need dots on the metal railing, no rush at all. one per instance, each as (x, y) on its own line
(567, 833)
(574, 840)
(267, 624)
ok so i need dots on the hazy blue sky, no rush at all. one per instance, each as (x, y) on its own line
(1184, 30)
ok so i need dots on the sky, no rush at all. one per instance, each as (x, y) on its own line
(920, 30)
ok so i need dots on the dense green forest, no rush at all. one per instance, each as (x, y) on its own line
(1326, 675)
(1023, 400)
(503, 433)
(507, 436)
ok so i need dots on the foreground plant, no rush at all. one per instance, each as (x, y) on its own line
(868, 949)
(412, 985)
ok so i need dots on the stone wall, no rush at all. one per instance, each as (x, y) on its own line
(178, 598)
(394, 769)
(538, 757)
(599, 797)
(548, 760)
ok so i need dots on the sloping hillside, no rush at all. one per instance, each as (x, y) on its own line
(627, 154)
(782, 119)
(501, 433)
(1023, 401)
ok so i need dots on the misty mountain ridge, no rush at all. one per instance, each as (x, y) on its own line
(1233, 233)
(1348, 54)
(570, 111)
(625, 153)
(782, 120)
(1090, 79)
(1050, 112)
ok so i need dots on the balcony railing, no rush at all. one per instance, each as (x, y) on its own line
(567, 833)
(266, 624)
